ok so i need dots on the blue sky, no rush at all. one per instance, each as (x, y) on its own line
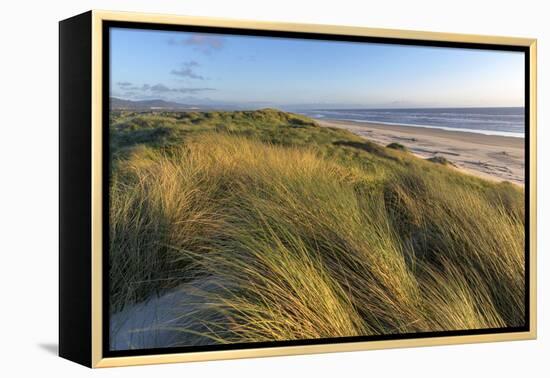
(253, 72)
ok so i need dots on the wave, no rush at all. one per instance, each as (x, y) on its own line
(477, 131)
(488, 121)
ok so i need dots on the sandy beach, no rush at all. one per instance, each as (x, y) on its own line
(492, 157)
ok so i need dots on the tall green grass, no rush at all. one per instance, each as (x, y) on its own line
(313, 240)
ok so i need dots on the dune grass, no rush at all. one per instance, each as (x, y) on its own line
(397, 146)
(307, 232)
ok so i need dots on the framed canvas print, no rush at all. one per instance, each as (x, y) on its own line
(237, 189)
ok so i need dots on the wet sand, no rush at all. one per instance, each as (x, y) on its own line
(492, 157)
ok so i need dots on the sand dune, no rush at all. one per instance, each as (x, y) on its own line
(491, 157)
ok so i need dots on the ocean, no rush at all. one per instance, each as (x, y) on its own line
(490, 121)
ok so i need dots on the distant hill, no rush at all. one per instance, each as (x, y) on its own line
(143, 105)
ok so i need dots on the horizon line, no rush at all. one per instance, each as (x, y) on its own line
(309, 106)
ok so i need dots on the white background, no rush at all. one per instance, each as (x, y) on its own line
(29, 189)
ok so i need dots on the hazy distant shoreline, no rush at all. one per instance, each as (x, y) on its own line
(493, 157)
